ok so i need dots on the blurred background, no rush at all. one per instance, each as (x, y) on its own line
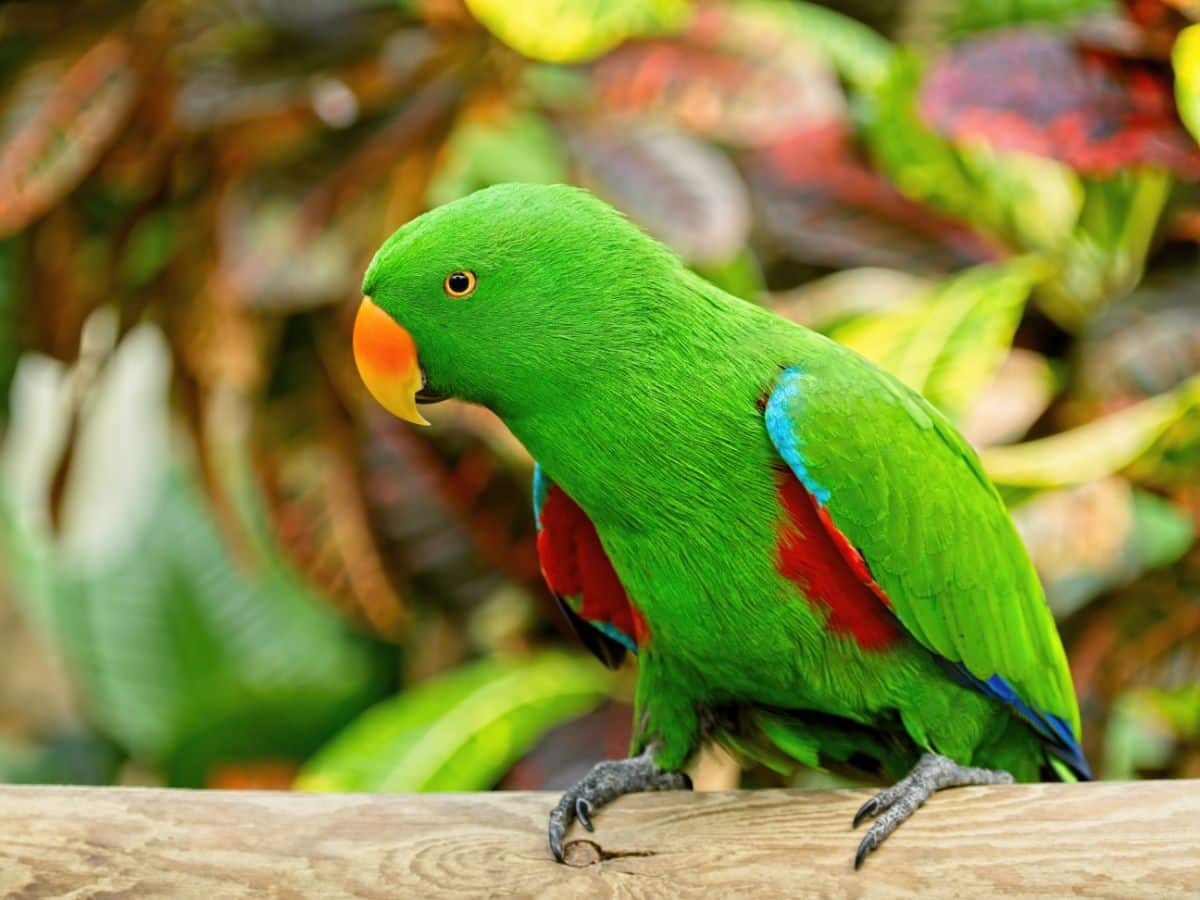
(222, 565)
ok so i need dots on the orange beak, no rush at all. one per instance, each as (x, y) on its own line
(386, 356)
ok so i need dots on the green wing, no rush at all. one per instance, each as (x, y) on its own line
(907, 492)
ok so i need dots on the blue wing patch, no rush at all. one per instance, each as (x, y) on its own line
(541, 487)
(784, 433)
(1057, 732)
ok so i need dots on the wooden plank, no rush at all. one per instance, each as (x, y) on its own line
(1096, 840)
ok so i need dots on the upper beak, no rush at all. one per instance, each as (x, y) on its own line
(386, 356)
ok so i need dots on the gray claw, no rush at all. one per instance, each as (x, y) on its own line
(583, 812)
(892, 806)
(864, 848)
(864, 812)
(606, 781)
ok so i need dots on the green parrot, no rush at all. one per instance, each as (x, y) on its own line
(805, 556)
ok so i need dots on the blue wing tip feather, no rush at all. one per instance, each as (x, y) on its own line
(1057, 732)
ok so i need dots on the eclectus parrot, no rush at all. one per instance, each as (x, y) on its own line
(807, 559)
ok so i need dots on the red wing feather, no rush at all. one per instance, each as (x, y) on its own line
(575, 565)
(831, 572)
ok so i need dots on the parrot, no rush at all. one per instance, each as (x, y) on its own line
(806, 558)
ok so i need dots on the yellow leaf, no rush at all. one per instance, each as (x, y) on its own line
(568, 31)
(1185, 58)
(1096, 449)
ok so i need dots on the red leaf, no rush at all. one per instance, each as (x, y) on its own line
(1033, 91)
(717, 93)
(822, 204)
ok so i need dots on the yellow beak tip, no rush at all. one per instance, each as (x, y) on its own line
(386, 357)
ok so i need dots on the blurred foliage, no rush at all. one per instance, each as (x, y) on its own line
(460, 732)
(224, 566)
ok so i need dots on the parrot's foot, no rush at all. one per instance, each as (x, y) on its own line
(892, 806)
(607, 781)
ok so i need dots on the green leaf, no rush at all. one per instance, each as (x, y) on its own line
(568, 31)
(1105, 254)
(518, 147)
(460, 732)
(1185, 59)
(181, 657)
(950, 344)
(741, 276)
(928, 22)
(150, 247)
(1036, 200)
(10, 312)
(825, 304)
(1140, 737)
(860, 54)
(1094, 450)
(76, 758)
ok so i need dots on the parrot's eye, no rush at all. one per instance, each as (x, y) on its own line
(460, 284)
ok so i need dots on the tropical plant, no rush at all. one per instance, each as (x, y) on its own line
(227, 567)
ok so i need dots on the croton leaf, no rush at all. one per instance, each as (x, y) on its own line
(821, 204)
(1022, 390)
(1097, 230)
(949, 345)
(451, 508)
(459, 732)
(718, 92)
(684, 192)
(1089, 538)
(1105, 255)
(309, 491)
(50, 148)
(565, 31)
(825, 303)
(1027, 201)
(860, 54)
(504, 147)
(1034, 91)
(1097, 449)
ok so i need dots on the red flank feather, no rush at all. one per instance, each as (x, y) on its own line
(819, 558)
(574, 564)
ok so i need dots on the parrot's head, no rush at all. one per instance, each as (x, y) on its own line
(514, 297)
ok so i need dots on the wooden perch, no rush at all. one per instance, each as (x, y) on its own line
(1139, 839)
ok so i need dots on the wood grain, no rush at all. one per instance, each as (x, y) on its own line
(1095, 840)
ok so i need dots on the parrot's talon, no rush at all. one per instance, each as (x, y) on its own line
(607, 781)
(583, 812)
(865, 812)
(892, 806)
(864, 847)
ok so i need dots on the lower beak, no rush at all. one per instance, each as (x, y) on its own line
(386, 356)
